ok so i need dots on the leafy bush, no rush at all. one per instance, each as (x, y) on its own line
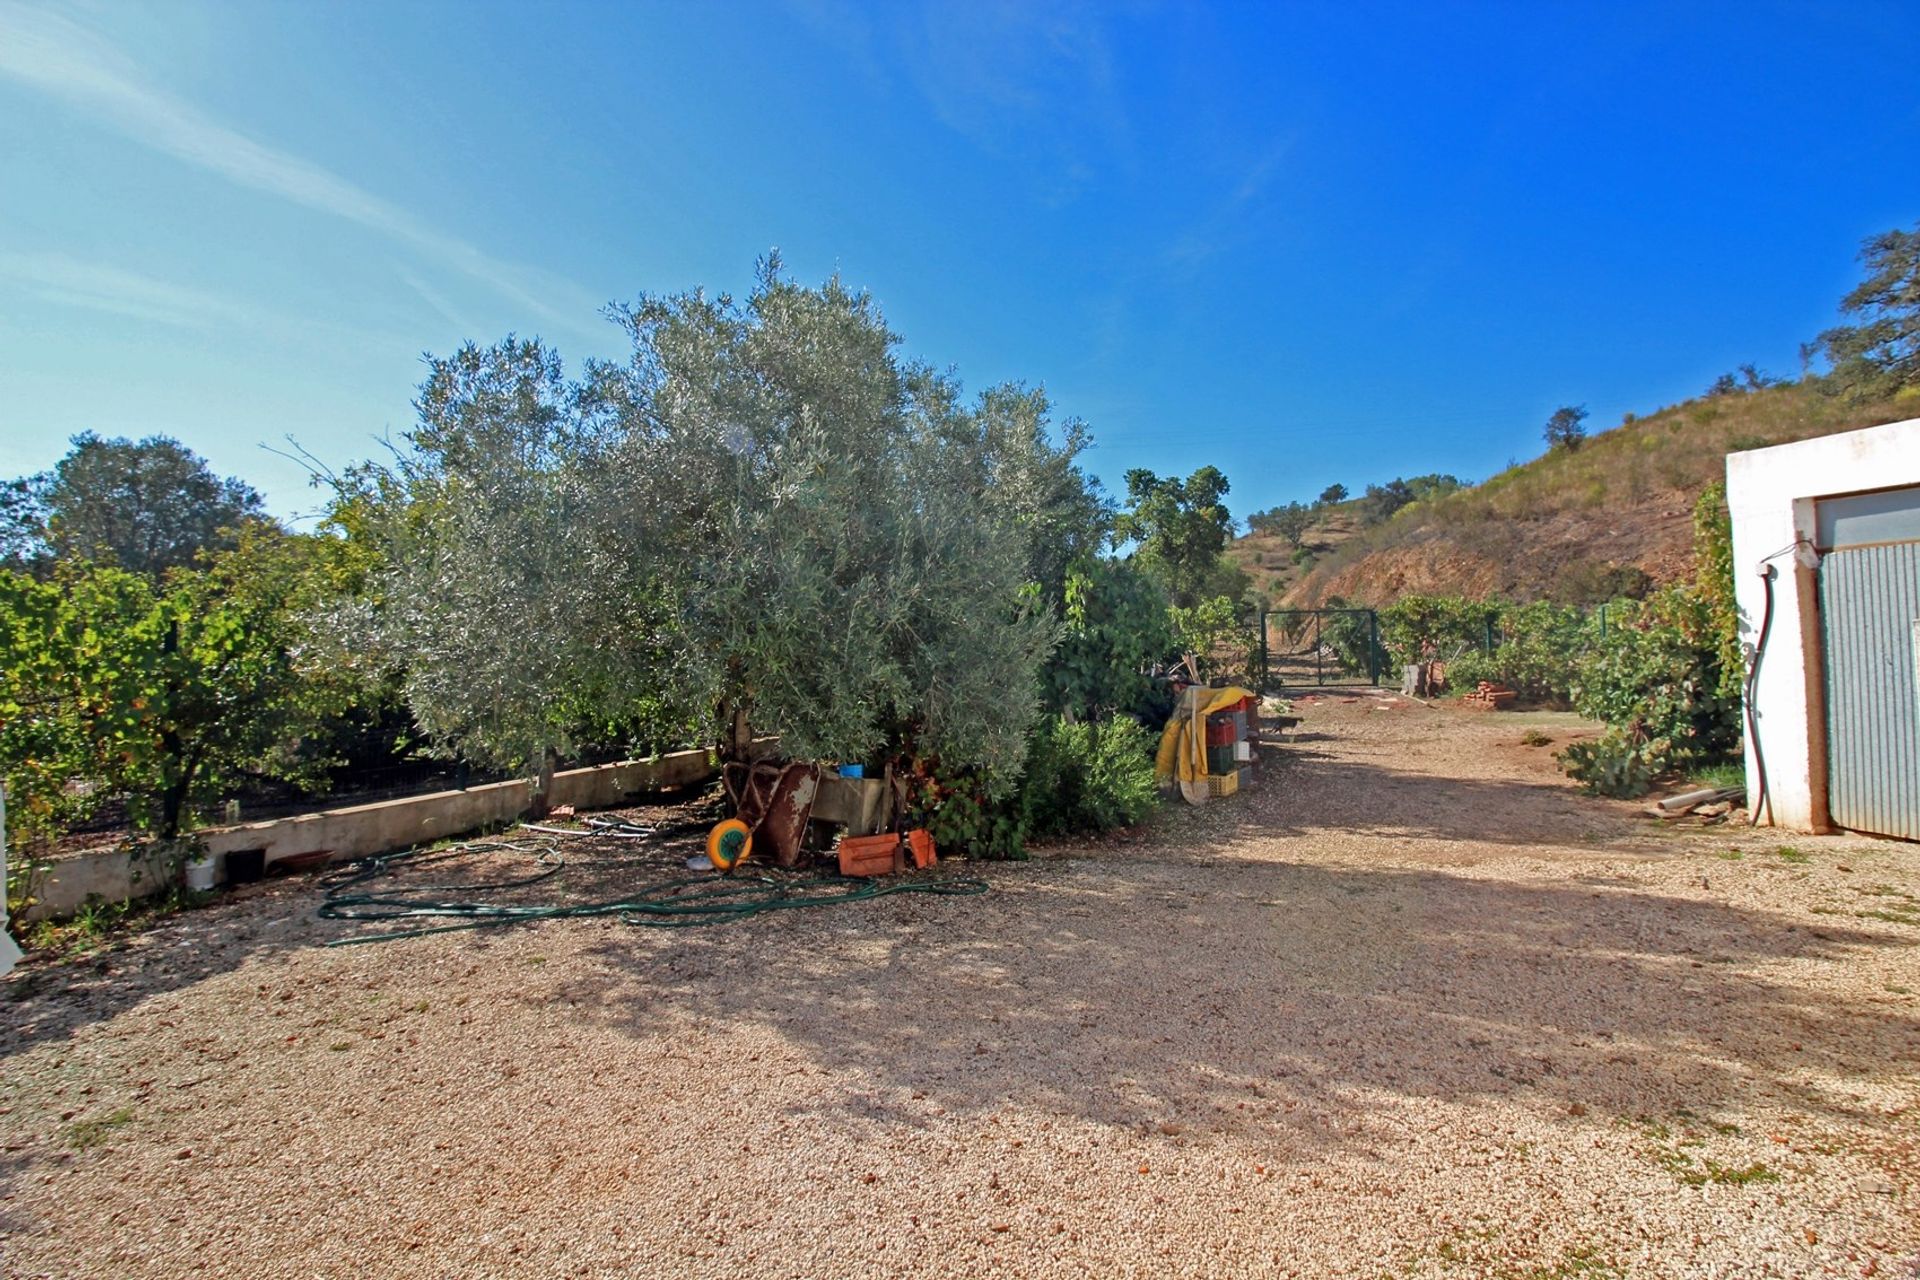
(168, 694)
(1087, 778)
(1080, 779)
(1215, 632)
(1422, 628)
(1666, 679)
(1657, 679)
(1713, 581)
(1610, 765)
(966, 816)
(1355, 644)
(1541, 646)
(1117, 626)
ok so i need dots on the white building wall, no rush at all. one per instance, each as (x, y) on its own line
(1770, 493)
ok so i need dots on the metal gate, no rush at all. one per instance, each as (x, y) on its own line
(1870, 612)
(1320, 648)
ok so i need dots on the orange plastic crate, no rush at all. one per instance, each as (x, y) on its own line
(879, 855)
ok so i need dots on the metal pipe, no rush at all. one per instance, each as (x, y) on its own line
(1768, 573)
(1760, 797)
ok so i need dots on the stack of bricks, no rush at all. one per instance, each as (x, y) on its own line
(1489, 697)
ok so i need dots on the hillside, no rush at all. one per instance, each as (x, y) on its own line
(1571, 525)
(1268, 559)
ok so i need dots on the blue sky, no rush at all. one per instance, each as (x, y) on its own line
(1306, 243)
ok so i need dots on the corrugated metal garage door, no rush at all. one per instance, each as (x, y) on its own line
(1869, 608)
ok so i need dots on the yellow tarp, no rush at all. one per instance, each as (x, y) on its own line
(1183, 744)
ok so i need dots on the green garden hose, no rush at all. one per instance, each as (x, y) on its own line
(677, 903)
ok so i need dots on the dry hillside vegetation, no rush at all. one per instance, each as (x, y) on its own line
(1554, 527)
(1268, 559)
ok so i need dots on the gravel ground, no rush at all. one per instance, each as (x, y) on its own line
(1408, 1007)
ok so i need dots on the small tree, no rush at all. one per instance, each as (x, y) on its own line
(1290, 522)
(1567, 427)
(169, 694)
(1880, 353)
(146, 507)
(1380, 502)
(1332, 494)
(1181, 528)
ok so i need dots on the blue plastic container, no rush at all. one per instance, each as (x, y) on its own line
(853, 771)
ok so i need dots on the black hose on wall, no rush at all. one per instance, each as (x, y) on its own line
(1767, 574)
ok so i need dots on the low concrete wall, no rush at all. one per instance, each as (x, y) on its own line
(111, 875)
(359, 830)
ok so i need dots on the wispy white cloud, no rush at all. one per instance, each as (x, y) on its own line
(1226, 223)
(1032, 76)
(65, 60)
(95, 286)
(63, 280)
(453, 315)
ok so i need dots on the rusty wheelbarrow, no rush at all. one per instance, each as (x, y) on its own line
(774, 800)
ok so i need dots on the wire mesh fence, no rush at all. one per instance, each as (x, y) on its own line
(1319, 648)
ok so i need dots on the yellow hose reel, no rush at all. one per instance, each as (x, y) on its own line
(729, 844)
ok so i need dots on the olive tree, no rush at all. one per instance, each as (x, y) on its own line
(764, 515)
(512, 590)
(856, 546)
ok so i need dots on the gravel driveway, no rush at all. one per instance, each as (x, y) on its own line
(1408, 1007)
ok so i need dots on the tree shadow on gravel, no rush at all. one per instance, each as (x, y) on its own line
(50, 998)
(1309, 794)
(1269, 999)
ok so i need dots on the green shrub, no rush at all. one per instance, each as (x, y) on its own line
(1656, 678)
(1541, 646)
(1610, 765)
(1116, 625)
(1080, 779)
(1422, 628)
(1217, 634)
(1083, 779)
(1713, 582)
(169, 693)
(964, 818)
(1355, 644)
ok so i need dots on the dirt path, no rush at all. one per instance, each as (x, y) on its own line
(1409, 1007)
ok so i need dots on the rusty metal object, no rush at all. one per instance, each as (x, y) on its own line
(775, 800)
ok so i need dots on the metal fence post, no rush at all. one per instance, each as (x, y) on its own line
(1373, 647)
(9, 951)
(1263, 650)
